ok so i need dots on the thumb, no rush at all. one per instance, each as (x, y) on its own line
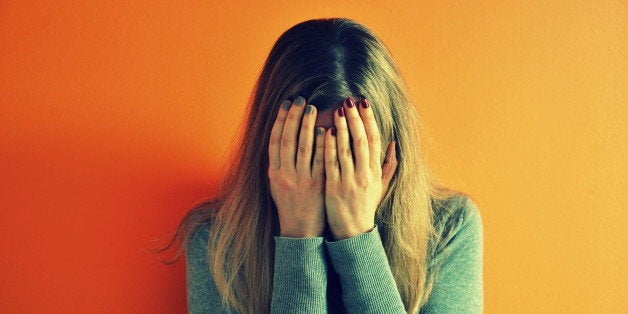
(390, 164)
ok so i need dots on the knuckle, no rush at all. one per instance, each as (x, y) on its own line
(374, 139)
(347, 152)
(274, 140)
(286, 141)
(361, 143)
(303, 150)
(293, 116)
(275, 176)
(331, 163)
(310, 185)
(285, 185)
(319, 161)
(362, 183)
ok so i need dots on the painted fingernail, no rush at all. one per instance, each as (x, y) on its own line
(299, 101)
(364, 103)
(319, 131)
(286, 104)
(333, 130)
(341, 111)
(350, 102)
(308, 109)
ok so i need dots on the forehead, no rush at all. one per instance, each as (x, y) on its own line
(325, 118)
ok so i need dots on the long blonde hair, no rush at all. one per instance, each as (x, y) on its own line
(324, 60)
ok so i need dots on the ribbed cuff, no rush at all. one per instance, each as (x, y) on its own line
(367, 281)
(300, 276)
(357, 251)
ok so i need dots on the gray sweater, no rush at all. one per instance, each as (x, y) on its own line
(317, 275)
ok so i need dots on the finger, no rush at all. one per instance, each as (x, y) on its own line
(332, 168)
(372, 133)
(390, 164)
(306, 141)
(343, 149)
(357, 131)
(289, 134)
(318, 166)
(274, 161)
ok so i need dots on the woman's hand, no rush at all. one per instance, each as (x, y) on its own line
(354, 189)
(297, 188)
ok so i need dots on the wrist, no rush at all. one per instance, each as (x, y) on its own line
(351, 232)
(300, 233)
(305, 230)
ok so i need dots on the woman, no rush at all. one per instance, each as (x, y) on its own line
(313, 215)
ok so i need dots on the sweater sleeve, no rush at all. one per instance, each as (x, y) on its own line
(367, 282)
(300, 276)
(458, 286)
(299, 283)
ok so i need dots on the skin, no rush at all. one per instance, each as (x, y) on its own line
(346, 182)
(325, 118)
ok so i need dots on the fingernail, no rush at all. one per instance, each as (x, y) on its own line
(341, 111)
(308, 109)
(286, 104)
(319, 131)
(333, 130)
(299, 101)
(350, 102)
(364, 103)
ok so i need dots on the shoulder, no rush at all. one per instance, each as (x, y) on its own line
(458, 221)
(469, 215)
(457, 265)
(456, 212)
(197, 241)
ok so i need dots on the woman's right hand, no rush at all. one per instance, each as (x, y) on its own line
(297, 185)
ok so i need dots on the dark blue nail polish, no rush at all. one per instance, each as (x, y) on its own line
(299, 101)
(286, 104)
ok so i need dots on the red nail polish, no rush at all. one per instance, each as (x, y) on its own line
(364, 103)
(333, 130)
(350, 102)
(341, 111)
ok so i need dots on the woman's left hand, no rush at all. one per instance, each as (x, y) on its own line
(354, 188)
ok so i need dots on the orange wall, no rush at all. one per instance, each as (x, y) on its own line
(115, 120)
